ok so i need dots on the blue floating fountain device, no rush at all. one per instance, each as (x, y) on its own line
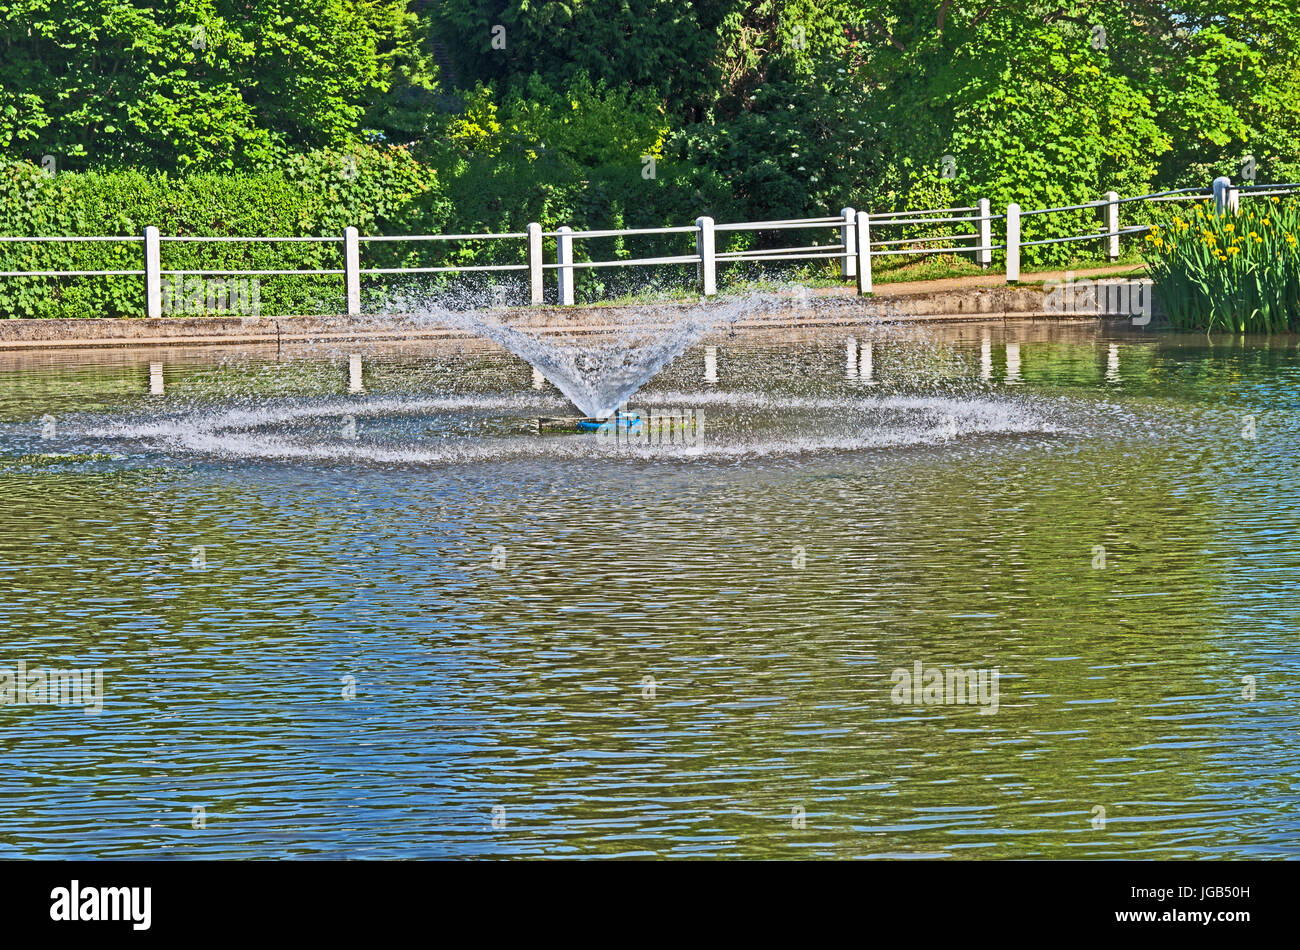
(620, 421)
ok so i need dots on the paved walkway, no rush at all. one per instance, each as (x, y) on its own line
(984, 280)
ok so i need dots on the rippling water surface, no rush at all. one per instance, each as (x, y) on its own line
(565, 646)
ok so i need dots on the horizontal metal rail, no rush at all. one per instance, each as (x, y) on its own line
(249, 240)
(964, 249)
(782, 257)
(641, 261)
(937, 237)
(1288, 185)
(437, 237)
(966, 220)
(781, 225)
(69, 237)
(616, 232)
(1181, 195)
(837, 248)
(438, 270)
(72, 273)
(890, 214)
(1173, 191)
(253, 273)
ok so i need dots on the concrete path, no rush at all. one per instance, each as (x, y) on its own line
(984, 280)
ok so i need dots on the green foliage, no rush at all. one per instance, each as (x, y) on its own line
(573, 156)
(198, 84)
(1236, 272)
(794, 151)
(589, 124)
(1020, 109)
(378, 190)
(751, 109)
(1228, 81)
(655, 44)
(695, 56)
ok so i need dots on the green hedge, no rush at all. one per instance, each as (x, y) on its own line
(318, 194)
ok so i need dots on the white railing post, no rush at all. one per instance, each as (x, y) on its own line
(1221, 186)
(564, 257)
(152, 272)
(534, 263)
(849, 267)
(1013, 243)
(1234, 199)
(984, 256)
(352, 269)
(705, 247)
(1112, 224)
(863, 235)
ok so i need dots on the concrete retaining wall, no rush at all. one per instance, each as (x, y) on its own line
(976, 304)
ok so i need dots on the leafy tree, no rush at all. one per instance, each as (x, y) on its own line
(695, 54)
(201, 84)
(751, 108)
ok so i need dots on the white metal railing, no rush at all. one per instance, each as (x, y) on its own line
(853, 245)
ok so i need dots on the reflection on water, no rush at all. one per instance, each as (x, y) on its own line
(561, 648)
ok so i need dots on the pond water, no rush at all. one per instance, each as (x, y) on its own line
(397, 622)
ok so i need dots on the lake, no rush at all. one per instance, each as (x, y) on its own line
(399, 623)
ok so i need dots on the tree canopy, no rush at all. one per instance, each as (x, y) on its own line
(755, 107)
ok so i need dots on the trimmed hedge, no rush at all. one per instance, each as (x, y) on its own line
(318, 194)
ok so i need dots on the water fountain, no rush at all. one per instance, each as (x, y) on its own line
(605, 360)
(460, 400)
